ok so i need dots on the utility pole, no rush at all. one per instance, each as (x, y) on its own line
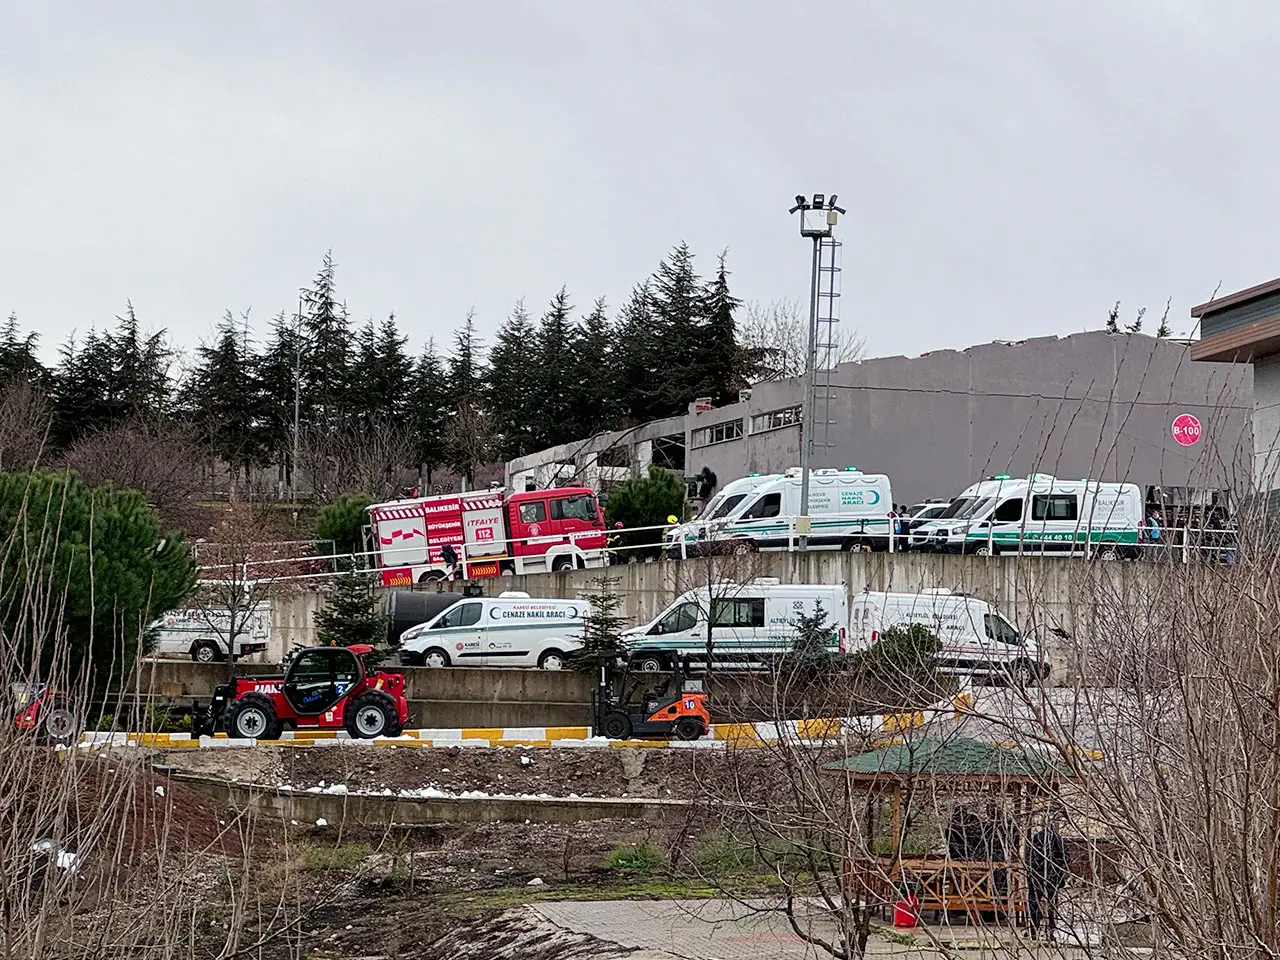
(817, 222)
(297, 405)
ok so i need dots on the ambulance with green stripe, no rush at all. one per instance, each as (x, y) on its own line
(1039, 515)
(848, 510)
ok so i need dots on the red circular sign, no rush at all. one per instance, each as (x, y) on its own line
(1186, 429)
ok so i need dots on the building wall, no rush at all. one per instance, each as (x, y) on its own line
(1091, 404)
(1266, 423)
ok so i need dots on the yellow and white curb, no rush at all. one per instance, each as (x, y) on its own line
(886, 726)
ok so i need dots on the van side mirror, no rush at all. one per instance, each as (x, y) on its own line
(658, 629)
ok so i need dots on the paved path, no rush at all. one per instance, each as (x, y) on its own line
(687, 929)
(722, 930)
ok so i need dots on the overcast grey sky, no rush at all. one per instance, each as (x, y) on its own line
(1010, 169)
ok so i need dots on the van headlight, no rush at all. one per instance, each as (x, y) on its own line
(411, 634)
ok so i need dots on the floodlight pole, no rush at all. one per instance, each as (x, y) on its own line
(807, 431)
(817, 222)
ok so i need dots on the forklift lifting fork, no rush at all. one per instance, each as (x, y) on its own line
(664, 710)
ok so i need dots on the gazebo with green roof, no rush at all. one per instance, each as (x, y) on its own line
(952, 765)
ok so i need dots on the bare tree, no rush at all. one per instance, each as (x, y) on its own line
(369, 458)
(775, 338)
(160, 458)
(469, 438)
(242, 566)
(25, 419)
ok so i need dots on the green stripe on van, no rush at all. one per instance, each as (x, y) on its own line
(1079, 536)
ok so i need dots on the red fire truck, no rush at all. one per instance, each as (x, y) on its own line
(491, 533)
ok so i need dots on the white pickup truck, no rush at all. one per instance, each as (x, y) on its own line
(202, 634)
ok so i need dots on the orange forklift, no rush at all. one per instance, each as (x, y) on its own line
(665, 710)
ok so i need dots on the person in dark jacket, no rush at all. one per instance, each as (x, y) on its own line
(450, 558)
(1046, 873)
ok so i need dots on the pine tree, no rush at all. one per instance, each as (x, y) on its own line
(381, 372)
(468, 433)
(603, 626)
(553, 384)
(466, 363)
(139, 381)
(350, 612)
(326, 371)
(277, 373)
(429, 409)
(679, 306)
(225, 397)
(638, 357)
(510, 395)
(1113, 319)
(83, 390)
(719, 354)
(18, 359)
(596, 388)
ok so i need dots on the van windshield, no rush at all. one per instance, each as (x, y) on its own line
(975, 508)
(956, 505)
(722, 505)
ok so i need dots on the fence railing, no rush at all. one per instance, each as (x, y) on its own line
(649, 543)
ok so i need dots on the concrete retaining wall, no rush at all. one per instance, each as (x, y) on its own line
(1030, 591)
(1035, 593)
(363, 809)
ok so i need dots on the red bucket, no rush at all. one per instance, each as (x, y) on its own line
(907, 911)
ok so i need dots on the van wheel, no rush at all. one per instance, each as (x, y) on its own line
(740, 548)
(551, 660)
(849, 545)
(649, 663)
(1107, 551)
(435, 657)
(986, 550)
(206, 651)
(1022, 674)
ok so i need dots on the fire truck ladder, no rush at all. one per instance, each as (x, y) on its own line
(826, 345)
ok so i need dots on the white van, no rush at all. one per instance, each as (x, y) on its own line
(202, 635)
(509, 630)
(976, 639)
(680, 538)
(749, 622)
(848, 510)
(1039, 515)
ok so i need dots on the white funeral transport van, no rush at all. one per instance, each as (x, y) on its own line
(755, 621)
(509, 630)
(848, 510)
(749, 622)
(202, 635)
(976, 639)
(1041, 515)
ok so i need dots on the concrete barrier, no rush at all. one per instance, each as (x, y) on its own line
(306, 807)
(1046, 592)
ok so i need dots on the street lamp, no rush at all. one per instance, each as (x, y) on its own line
(817, 222)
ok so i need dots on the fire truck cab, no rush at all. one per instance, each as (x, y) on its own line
(490, 533)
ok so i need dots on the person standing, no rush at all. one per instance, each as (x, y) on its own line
(1046, 874)
(449, 557)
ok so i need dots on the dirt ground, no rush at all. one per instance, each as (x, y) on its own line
(659, 773)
